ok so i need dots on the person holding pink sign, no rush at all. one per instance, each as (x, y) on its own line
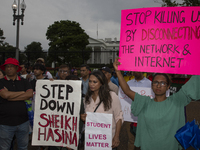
(161, 117)
(99, 93)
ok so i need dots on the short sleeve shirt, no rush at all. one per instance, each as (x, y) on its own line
(13, 113)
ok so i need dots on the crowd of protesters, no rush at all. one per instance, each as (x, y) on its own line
(155, 129)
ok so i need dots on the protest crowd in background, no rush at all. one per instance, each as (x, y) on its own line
(39, 72)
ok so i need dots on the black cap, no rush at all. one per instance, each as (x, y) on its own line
(106, 69)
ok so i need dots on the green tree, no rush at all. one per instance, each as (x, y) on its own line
(67, 41)
(34, 51)
(6, 50)
(185, 3)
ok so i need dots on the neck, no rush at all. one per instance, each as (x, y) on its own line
(40, 77)
(94, 95)
(85, 78)
(24, 73)
(160, 98)
(12, 77)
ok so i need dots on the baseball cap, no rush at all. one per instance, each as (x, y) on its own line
(106, 69)
(40, 59)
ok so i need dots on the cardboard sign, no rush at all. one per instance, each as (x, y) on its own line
(98, 131)
(56, 118)
(162, 39)
(126, 101)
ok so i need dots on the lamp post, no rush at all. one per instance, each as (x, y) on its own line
(18, 17)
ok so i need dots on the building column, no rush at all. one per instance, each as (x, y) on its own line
(92, 55)
(102, 55)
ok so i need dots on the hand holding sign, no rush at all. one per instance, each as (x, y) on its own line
(115, 141)
(116, 64)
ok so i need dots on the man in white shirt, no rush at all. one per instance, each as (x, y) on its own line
(108, 75)
(85, 71)
(46, 73)
(138, 81)
(23, 72)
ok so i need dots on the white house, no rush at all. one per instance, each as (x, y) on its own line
(104, 51)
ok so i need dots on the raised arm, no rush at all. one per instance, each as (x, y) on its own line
(126, 89)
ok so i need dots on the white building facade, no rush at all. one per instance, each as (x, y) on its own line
(103, 51)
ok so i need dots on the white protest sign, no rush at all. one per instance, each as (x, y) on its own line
(56, 118)
(98, 131)
(126, 101)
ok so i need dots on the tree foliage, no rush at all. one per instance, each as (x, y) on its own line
(6, 50)
(170, 3)
(2, 38)
(67, 42)
(34, 51)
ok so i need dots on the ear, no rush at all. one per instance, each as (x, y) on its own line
(110, 75)
(168, 87)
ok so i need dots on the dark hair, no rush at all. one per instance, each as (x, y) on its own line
(85, 65)
(25, 65)
(166, 77)
(72, 77)
(64, 66)
(104, 91)
(40, 67)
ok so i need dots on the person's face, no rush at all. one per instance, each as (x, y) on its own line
(63, 73)
(38, 72)
(11, 70)
(23, 69)
(84, 72)
(159, 85)
(40, 62)
(137, 75)
(1, 75)
(94, 83)
(107, 74)
(75, 73)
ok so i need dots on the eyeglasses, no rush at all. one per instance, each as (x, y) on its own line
(63, 71)
(162, 83)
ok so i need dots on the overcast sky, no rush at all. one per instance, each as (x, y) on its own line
(39, 14)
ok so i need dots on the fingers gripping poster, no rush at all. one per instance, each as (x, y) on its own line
(56, 118)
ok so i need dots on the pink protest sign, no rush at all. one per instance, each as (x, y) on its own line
(162, 39)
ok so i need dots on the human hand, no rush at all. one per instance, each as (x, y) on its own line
(68, 148)
(116, 64)
(5, 88)
(115, 141)
(83, 117)
(28, 76)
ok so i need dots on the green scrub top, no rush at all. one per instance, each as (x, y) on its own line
(159, 121)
